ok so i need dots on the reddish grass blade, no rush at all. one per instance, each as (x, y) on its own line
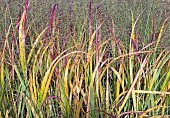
(22, 37)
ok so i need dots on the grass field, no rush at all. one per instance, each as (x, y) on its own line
(84, 59)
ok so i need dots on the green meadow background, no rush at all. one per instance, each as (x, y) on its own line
(84, 58)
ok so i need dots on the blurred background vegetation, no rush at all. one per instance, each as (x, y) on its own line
(73, 10)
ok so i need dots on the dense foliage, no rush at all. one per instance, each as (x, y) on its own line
(78, 58)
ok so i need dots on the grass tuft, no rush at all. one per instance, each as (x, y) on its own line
(84, 59)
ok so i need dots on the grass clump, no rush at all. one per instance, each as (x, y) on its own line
(84, 59)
